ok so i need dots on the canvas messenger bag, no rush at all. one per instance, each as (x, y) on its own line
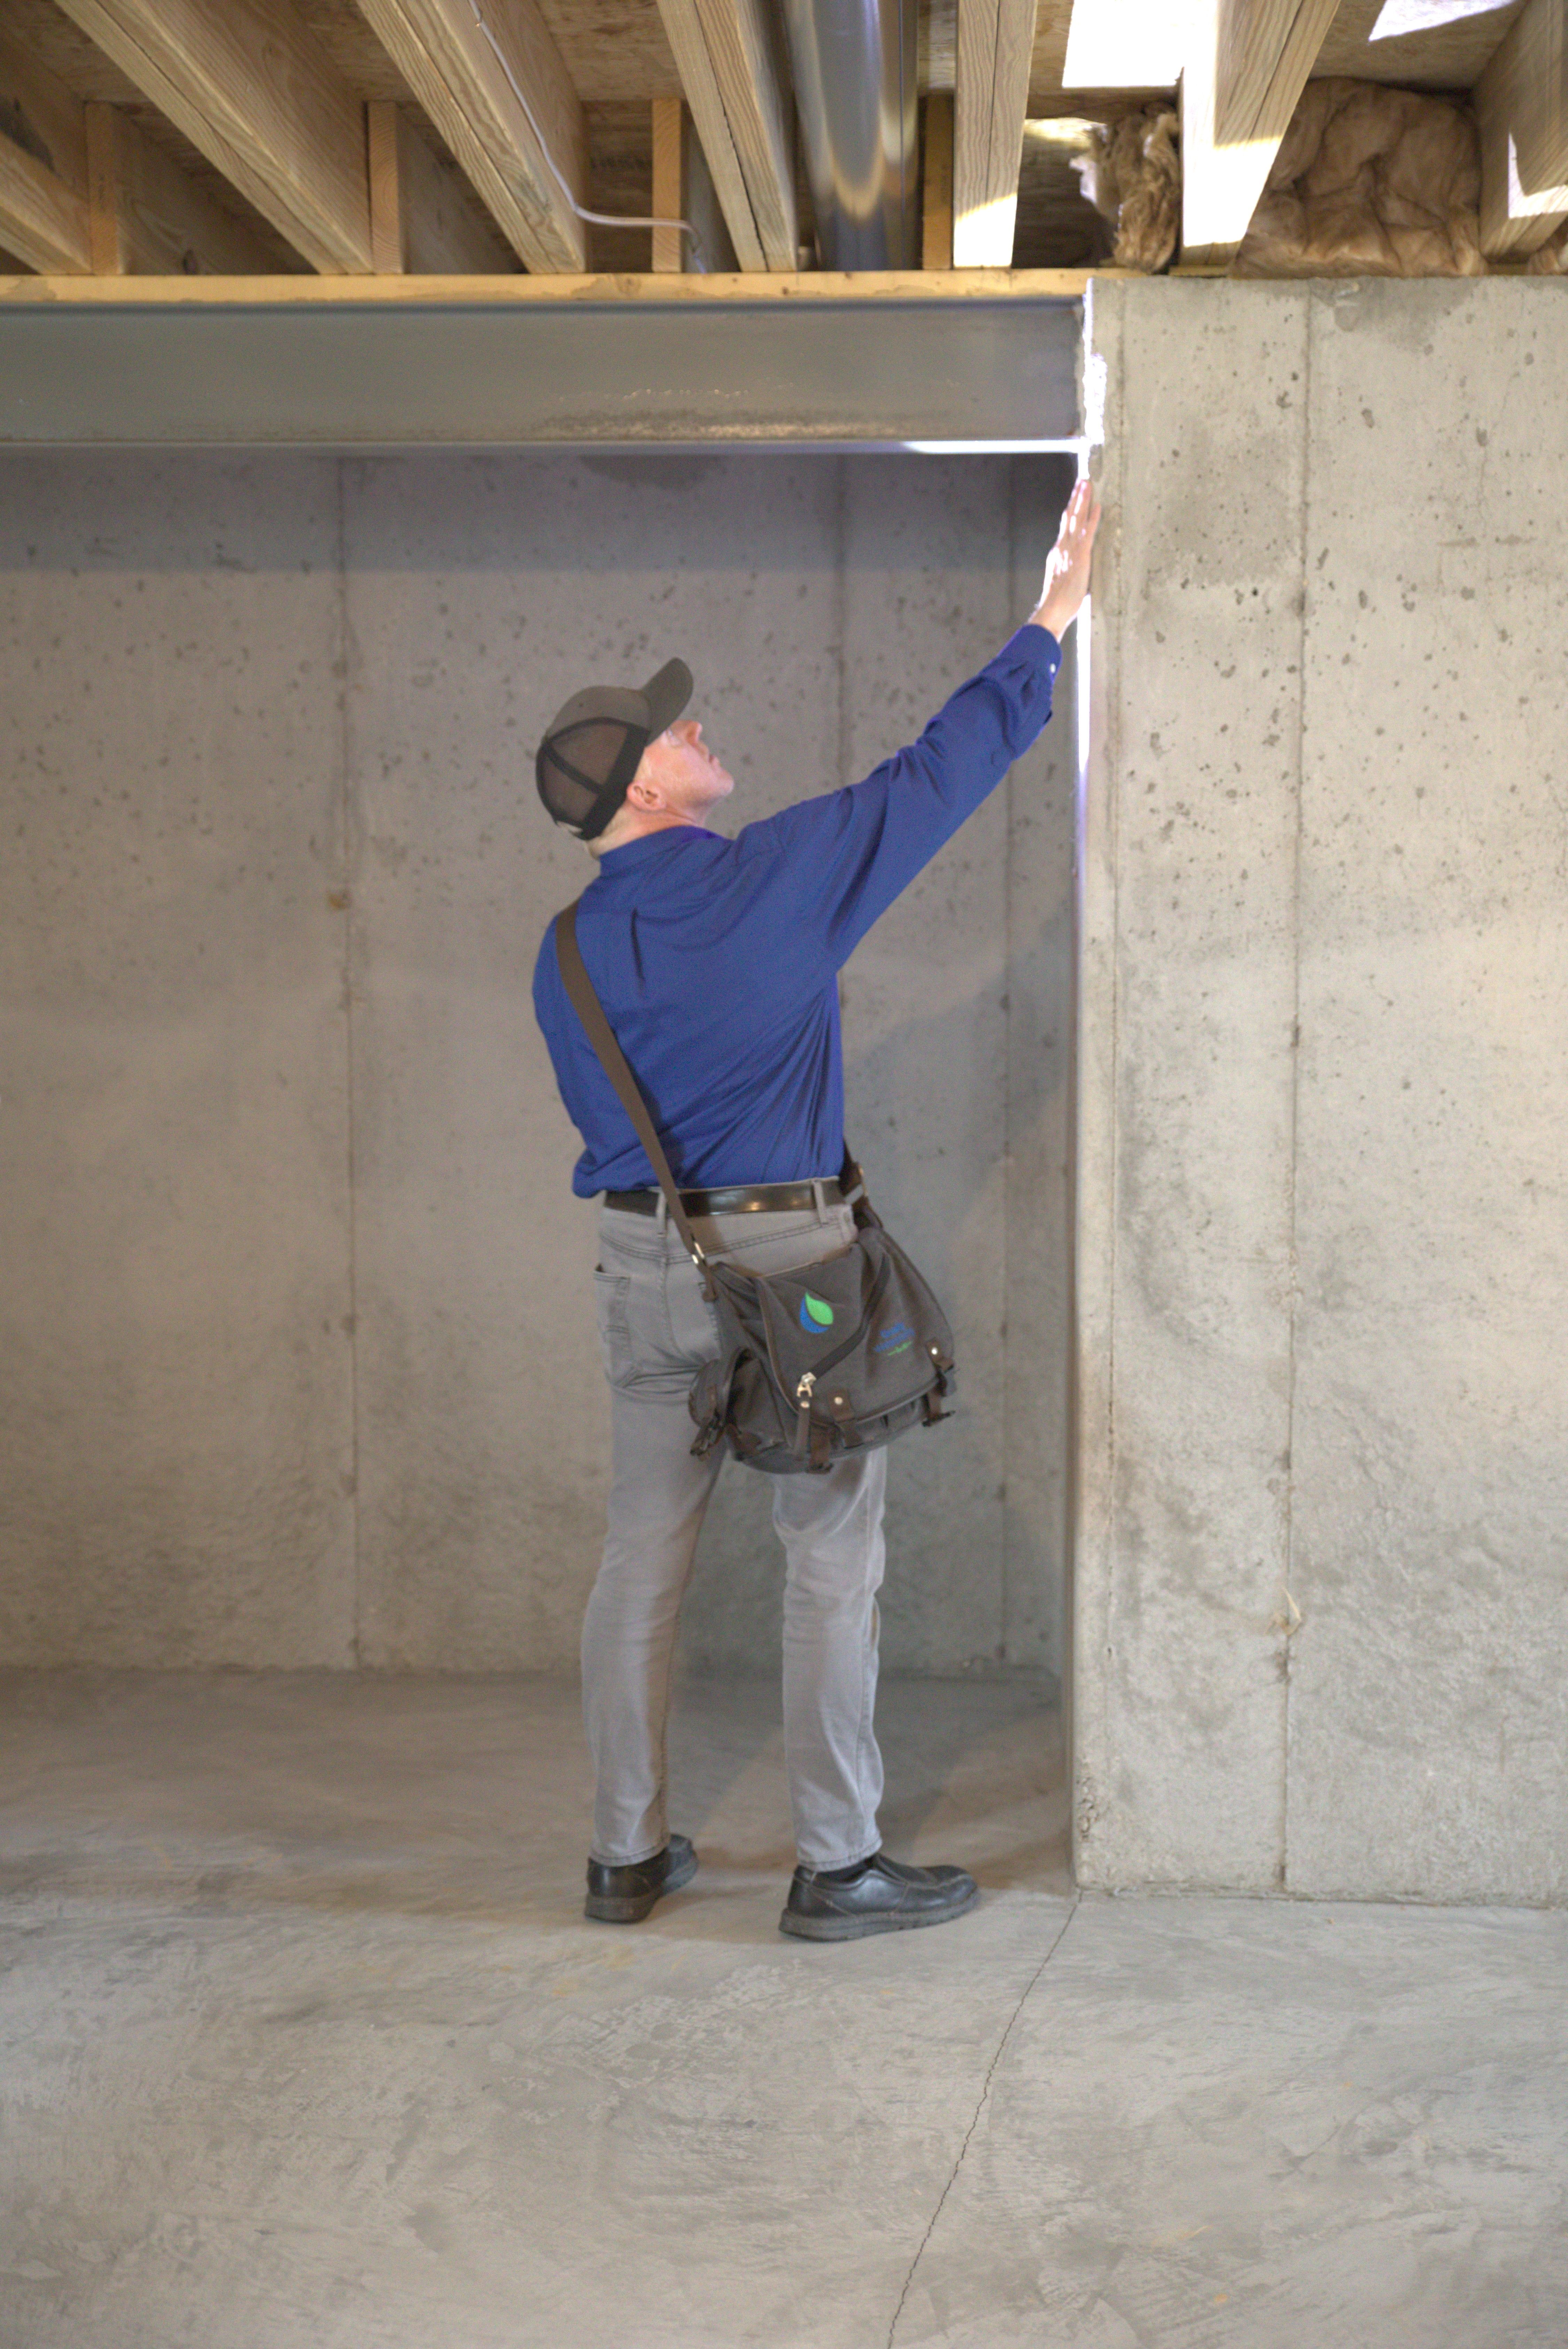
(843, 1354)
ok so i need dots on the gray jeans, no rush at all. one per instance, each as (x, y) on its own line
(657, 1332)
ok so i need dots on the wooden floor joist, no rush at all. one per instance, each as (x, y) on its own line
(45, 209)
(149, 219)
(732, 69)
(83, 188)
(253, 88)
(1265, 51)
(1248, 62)
(1522, 108)
(991, 100)
(683, 191)
(506, 148)
(1542, 129)
(319, 115)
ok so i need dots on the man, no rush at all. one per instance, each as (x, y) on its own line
(716, 962)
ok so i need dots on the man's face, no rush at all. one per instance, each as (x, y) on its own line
(683, 771)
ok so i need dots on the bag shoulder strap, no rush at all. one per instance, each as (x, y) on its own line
(581, 995)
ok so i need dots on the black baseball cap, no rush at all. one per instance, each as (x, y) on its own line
(592, 746)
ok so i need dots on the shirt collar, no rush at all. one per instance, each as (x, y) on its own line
(641, 855)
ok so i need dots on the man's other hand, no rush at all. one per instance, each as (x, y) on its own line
(1067, 569)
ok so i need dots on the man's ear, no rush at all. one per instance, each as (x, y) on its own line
(643, 791)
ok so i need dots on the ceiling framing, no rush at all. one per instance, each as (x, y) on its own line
(356, 140)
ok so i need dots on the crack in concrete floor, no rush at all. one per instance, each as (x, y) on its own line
(1027, 1992)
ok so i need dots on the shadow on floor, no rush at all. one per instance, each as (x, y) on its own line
(211, 1793)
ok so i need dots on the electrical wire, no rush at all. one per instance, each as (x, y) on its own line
(599, 219)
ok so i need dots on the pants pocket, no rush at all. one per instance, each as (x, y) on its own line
(611, 1299)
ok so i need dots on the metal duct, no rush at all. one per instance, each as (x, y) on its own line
(854, 65)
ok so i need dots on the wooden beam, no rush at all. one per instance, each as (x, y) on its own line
(462, 85)
(684, 190)
(771, 288)
(40, 115)
(1541, 131)
(991, 97)
(1521, 108)
(936, 189)
(424, 216)
(1265, 52)
(388, 220)
(149, 219)
(1248, 62)
(670, 119)
(732, 69)
(44, 217)
(91, 174)
(254, 90)
(44, 222)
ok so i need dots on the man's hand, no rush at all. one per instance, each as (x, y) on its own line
(1067, 571)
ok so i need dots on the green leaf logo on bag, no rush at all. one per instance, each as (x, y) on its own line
(814, 1314)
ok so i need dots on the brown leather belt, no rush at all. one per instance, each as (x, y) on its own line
(759, 1198)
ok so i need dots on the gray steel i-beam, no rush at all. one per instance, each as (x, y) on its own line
(839, 373)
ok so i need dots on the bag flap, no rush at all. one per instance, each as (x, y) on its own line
(817, 1316)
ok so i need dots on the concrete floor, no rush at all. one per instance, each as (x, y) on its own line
(304, 2041)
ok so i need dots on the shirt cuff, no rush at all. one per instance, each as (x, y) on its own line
(1028, 639)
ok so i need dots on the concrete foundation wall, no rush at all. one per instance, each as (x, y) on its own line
(297, 1355)
(1321, 1636)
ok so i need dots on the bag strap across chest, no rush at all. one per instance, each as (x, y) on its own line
(581, 995)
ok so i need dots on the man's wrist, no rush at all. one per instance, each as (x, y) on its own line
(1051, 616)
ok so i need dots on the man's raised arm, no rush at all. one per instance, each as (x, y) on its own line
(863, 844)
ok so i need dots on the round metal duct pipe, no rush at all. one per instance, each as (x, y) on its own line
(854, 65)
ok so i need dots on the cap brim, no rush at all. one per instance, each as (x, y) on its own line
(667, 694)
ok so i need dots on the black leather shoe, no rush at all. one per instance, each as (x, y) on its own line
(624, 1895)
(883, 1896)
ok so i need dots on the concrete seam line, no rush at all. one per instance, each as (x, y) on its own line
(1025, 1996)
(1290, 1614)
(1111, 686)
(345, 802)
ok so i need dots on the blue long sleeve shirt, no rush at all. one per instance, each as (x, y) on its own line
(716, 959)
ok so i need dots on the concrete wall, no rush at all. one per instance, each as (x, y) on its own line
(1321, 1637)
(296, 1358)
